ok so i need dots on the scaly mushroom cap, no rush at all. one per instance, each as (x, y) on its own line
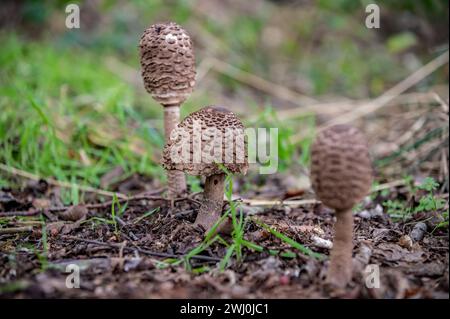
(210, 122)
(167, 63)
(341, 169)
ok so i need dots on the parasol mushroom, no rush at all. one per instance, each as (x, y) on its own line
(168, 70)
(210, 137)
(341, 176)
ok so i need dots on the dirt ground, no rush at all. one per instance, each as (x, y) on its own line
(293, 65)
(122, 261)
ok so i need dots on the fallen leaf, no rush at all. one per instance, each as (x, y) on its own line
(405, 241)
(74, 213)
(395, 253)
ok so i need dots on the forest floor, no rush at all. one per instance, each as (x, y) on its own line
(116, 247)
(82, 188)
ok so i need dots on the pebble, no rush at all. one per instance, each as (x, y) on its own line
(321, 242)
(377, 211)
(365, 214)
(418, 231)
(373, 213)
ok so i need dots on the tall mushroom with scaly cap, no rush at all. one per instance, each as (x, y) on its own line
(168, 69)
(341, 176)
(208, 139)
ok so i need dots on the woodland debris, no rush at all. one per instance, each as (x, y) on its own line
(74, 213)
(405, 241)
(15, 230)
(418, 231)
(321, 243)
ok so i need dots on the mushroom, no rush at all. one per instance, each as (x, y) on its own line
(341, 176)
(209, 137)
(168, 69)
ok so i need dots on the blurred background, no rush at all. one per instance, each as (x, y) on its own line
(73, 106)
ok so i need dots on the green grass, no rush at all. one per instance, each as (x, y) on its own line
(288, 153)
(273, 252)
(427, 202)
(94, 221)
(14, 286)
(443, 224)
(77, 121)
(290, 241)
(145, 215)
(72, 121)
(114, 206)
(66, 115)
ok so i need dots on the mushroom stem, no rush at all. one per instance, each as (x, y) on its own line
(340, 269)
(176, 180)
(211, 208)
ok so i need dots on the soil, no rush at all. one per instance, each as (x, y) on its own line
(124, 260)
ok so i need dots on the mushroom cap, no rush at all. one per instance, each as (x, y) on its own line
(341, 169)
(201, 134)
(167, 63)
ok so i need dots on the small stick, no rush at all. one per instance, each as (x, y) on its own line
(14, 230)
(390, 94)
(339, 107)
(120, 221)
(261, 84)
(263, 202)
(361, 110)
(29, 223)
(32, 212)
(183, 213)
(377, 188)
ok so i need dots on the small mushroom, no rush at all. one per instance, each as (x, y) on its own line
(209, 137)
(341, 176)
(168, 69)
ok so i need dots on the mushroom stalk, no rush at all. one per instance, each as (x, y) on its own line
(340, 269)
(211, 208)
(176, 180)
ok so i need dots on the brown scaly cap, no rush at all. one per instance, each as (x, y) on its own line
(210, 117)
(167, 63)
(341, 169)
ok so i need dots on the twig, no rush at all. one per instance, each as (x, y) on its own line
(126, 72)
(143, 251)
(265, 202)
(392, 93)
(14, 230)
(361, 110)
(54, 182)
(331, 108)
(183, 213)
(202, 69)
(261, 84)
(29, 223)
(120, 221)
(384, 186)
(26, 213)
(123, 200)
